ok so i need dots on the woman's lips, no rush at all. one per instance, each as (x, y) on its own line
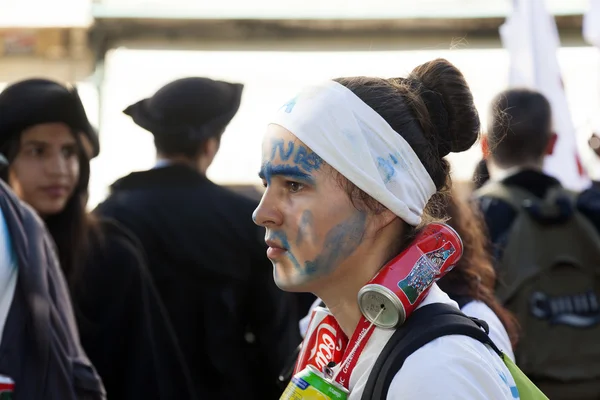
(275, 252)
(56, 191)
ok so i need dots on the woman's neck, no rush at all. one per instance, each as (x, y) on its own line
(344, 308)
(340, 293)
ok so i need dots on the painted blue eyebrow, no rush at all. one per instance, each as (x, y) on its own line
(268, 171)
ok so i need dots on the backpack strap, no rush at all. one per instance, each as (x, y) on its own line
(424, 325)
(461, 300)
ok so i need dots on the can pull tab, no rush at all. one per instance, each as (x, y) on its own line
(328, 369)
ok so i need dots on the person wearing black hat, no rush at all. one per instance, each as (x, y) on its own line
(47, 140)
(235, 327)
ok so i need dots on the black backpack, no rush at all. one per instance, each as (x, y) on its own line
(424, 325)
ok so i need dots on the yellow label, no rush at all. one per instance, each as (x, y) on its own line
(293, 392)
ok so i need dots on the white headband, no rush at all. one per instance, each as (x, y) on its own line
(357, 142)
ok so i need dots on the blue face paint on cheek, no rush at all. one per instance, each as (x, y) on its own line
(306, 223)
(341, 241)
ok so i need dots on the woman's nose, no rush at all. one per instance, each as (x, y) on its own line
(267, 214)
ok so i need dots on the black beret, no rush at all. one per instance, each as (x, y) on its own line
(192, 107)
(38, 101)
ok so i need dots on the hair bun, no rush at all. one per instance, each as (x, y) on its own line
(449, 101)
(439, 118)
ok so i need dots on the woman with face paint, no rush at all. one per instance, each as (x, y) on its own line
(353, 168)
(472, 281)
(47, 140)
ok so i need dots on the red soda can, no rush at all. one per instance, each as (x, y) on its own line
(7, 387)
(403, 283)
(324, 342)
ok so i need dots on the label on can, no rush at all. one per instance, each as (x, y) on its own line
(309, 384)
(324, 342)
(425, 271)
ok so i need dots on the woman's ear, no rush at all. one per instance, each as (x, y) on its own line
(383, 219)
(485, 147)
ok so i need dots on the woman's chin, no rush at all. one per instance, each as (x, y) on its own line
(293, 282)
(49, 208)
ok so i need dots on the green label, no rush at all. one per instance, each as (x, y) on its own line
(325, 387)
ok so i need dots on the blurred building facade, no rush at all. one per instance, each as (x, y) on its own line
(45, 38)
(119, 51)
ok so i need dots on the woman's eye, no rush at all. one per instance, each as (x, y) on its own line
(69, 152)
(35, 151)
(294, 186)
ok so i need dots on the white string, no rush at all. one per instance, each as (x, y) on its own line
(358, 341)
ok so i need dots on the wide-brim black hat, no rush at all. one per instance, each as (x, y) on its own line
(192, 107)
(38, 101)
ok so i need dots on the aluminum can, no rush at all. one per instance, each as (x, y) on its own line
(324, 342)
(7, 387)
(404, 282)
(310, 384)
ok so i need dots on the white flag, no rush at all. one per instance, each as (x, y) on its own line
(591, 23)
(531, 38)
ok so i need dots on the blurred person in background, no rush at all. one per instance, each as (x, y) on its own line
(40, 350)
(47, 139)
(546, 249)
(207, 258)
(594, 143)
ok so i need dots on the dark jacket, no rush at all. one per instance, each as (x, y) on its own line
(208, 261)
(40, 347)
(123, 325)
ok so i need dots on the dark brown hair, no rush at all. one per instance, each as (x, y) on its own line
(433, 110)
(519, 128)
(474, 276)
(481, 174)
